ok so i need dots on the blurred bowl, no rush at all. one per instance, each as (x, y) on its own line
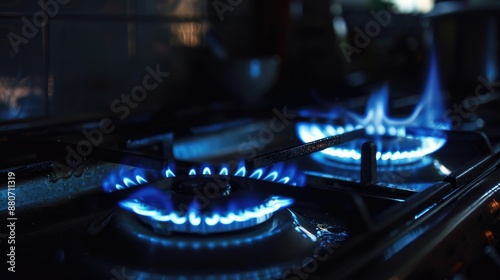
(250, 79)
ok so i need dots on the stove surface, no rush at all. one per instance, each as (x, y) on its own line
(213, 213)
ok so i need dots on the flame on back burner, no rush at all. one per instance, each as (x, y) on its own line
(396, 143)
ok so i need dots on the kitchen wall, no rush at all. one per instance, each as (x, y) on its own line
(71, 60)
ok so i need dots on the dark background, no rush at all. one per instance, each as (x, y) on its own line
(91, 52)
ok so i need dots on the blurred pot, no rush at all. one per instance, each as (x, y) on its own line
(467, 40)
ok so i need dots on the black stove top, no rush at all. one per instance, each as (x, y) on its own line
(221, 203)
(249, 140)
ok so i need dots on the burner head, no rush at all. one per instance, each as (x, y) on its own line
(392, 135)
(196, 186)
(126, 177)
(203, 205)
(395, 145)
(211, 202)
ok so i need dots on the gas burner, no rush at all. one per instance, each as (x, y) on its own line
(396, 143)
(126, 177)
(217, 214)
(394, 148)
(211, 202)
(268, 245)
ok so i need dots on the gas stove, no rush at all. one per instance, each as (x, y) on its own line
(222, 139)
(297, 194)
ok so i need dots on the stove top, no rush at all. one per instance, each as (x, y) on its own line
(297, 193)
(292, 211)
(249, 140)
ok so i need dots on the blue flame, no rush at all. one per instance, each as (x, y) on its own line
(126, 177)
(194, 221)
(169, 173)
(278, 173)
(241, 172)
(157, 206)
(154, 197)
(376, 122)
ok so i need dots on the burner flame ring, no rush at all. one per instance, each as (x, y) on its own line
(396, 147)
(205, 215)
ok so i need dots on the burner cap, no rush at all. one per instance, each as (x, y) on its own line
(203, 201)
